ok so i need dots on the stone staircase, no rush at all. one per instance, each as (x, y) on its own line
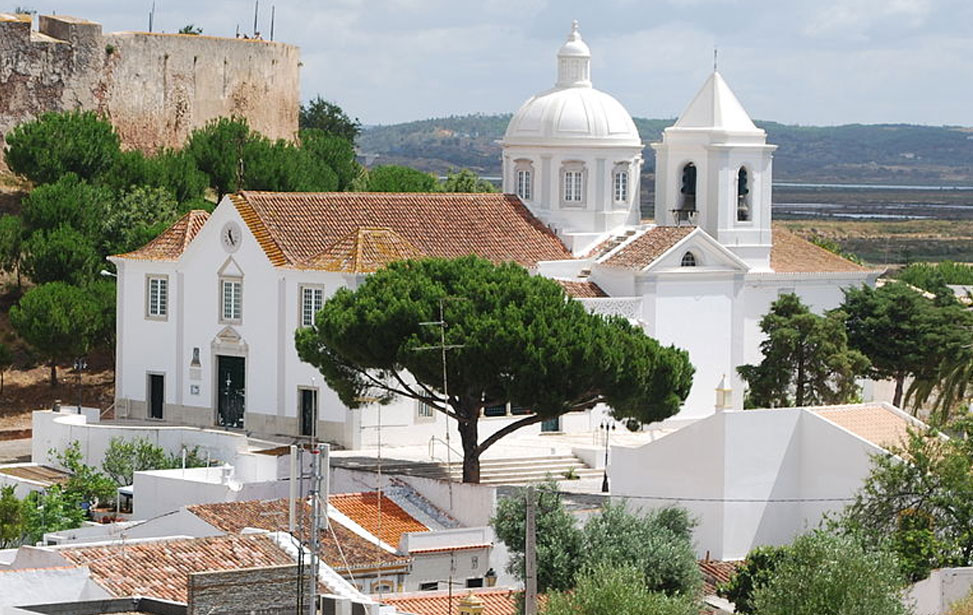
(512, 471)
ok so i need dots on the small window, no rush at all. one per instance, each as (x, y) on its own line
(232, 297)
(495, 410)
(431, 586)
(573, 186)
(524, 184)
(425, 412)
(383, 587)
(743, 195)
(157, 304)
(621, 186)
(312, 298)
(688, 189)
(688, 260)
(473, 583)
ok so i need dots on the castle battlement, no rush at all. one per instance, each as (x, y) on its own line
(155, 88)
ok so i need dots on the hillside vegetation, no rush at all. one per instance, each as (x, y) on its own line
(856, 153)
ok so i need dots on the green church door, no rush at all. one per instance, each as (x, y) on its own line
(231, 387)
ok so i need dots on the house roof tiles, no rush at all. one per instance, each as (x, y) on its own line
(650, 245)
(174, 240)
(161, 568)
(363, 509)
(791, 253)
(343, 550)
(495, 602)
(875, 423)
(293, 228)
(364, 250)
(581, 289)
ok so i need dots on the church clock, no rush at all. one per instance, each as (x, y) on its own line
(231, 236)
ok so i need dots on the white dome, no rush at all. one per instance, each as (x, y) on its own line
(573, 112)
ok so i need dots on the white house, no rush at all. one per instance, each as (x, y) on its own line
(759, 477)
(207, 311)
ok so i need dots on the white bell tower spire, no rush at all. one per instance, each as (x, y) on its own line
(713, 170)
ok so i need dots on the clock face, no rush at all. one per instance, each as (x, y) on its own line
(231, 236)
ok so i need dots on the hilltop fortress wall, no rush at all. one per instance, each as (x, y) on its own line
(154, 88)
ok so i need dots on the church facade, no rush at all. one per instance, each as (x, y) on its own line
(207, 311)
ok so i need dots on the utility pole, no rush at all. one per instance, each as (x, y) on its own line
(315, 524)
(530, 556)
(442, 347)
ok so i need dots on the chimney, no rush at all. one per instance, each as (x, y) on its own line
(724, 395)
(470, 605)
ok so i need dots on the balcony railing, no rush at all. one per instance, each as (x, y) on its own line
(627, 307)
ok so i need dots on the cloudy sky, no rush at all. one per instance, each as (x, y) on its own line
(793, 61)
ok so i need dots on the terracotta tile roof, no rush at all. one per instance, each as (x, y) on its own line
(174, 240)
(364, 250)
(716, 573)
(38, 473)
(450, 549)
(293, 228)
(362, 508)
(161, 568)
(581, 290)
(495, 601)
(791, 253)
(271, 515)
(873, 422)
(640, 252)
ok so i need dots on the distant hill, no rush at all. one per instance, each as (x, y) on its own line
(855, 153)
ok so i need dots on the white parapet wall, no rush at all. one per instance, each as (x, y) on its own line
(55, 431)
(944, 587)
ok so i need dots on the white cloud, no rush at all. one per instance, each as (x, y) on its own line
(856, 17)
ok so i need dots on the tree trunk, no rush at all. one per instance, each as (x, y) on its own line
(471, 456)
(899, 385)
(799, 397)
(53, 374)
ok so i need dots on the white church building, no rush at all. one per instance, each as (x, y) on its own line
(207, 311)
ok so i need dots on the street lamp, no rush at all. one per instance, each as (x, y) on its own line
(79, 364)
(609, 426)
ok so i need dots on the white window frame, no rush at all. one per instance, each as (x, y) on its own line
(620, 184)
(573, 184)
(159, 296)
(235, 313)
(425, 413)
(524, 179)
(313, 293)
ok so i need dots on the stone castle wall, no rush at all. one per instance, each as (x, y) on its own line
(154, 88)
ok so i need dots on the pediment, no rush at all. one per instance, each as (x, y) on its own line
(229, 335)
(230, 269)
(709, 255)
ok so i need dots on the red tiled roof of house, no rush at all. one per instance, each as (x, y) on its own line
(716, 573)
(362, 508)
(174, 240)
(791, 253)
(495, 601)
(293, 227)
(161, 568)
(272, 515)
(364, 250)
(644, 249)
(872, 422)
(581, 289)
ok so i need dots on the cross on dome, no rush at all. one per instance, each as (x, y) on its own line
(574, 61)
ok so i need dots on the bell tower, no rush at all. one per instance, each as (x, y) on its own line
(713, 170)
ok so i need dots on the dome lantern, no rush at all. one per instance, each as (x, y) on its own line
(574, 61)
